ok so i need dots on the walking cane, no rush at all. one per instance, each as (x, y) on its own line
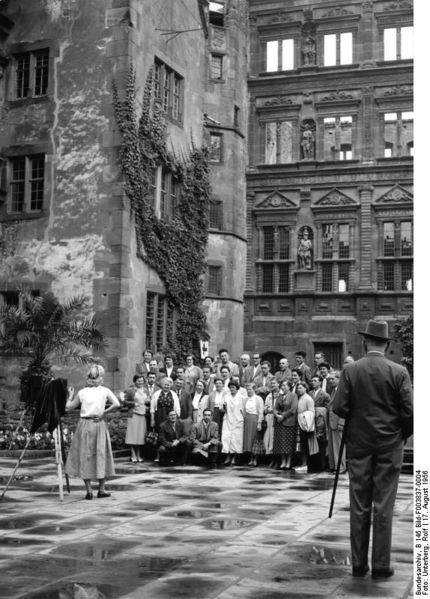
(336, 478)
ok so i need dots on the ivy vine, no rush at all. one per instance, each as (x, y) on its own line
(175, 248)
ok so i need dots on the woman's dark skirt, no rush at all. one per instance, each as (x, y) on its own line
(284, 438)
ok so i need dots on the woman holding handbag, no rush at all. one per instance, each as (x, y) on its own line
(285, 426)
(137, 401)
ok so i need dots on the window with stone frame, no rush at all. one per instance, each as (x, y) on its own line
(395, 266)
(280, 55)
(336, 257)
(398, 128)
(338, 131)
(215, 146)
(215, 214)
(31, 74)
(26, 175)
(164, 192)
(338, 49)
(274, 271)
(279, 142)
(214, 280)
(217, 67)
(398, 43)
(158, 315)
(168, 90)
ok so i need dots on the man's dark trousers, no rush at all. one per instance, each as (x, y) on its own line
(374, 478)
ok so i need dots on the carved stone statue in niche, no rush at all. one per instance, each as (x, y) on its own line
(308, 51)
(305, 250)
(308, 142)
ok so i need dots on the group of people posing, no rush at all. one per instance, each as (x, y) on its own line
(228, 413)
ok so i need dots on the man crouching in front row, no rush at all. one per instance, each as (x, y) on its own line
(205, 439)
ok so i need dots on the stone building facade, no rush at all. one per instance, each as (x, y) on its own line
(330, 173)
(65, 222)
(307, 112)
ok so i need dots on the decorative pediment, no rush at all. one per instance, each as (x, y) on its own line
(399, 4)
(276, 200)
(338, 12)
(276, 101)
(396, 195)
(337, 95)
(335, 198)
(399, 90)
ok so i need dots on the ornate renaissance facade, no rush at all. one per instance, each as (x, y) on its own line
(329, 195)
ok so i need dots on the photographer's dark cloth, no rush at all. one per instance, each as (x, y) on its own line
(50, 404)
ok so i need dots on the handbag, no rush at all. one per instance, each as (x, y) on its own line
(152, 438)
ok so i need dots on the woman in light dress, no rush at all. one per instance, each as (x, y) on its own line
(232, 428)
(307, 441)
(90, 455)
(137, 400)
(269, 403)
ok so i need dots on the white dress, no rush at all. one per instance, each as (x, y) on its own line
(232, 426)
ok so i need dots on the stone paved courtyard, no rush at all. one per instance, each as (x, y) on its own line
(233, 533)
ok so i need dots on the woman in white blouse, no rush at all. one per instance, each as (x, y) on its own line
(90, 456)
(199, 401)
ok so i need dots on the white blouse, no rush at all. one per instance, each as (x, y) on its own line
(93, 401)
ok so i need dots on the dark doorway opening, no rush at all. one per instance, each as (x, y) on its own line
(273, 358)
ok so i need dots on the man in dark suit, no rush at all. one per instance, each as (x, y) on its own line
(185, 399)
(174, 443)
(326, 382)
(208, 380)
(304, 369)
(205, 438)
(335, 430)
(375, 397)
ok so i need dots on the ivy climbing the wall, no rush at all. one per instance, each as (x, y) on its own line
(174, 247)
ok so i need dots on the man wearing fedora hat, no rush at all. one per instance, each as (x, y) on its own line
(375, 397)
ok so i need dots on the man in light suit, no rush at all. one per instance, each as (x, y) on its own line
(205, 439)
(375, 396)
(245, 370)
(262, 382)
(284, 372)
(225, 361)
(256, 366)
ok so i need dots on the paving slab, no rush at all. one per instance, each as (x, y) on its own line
(231, 533)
